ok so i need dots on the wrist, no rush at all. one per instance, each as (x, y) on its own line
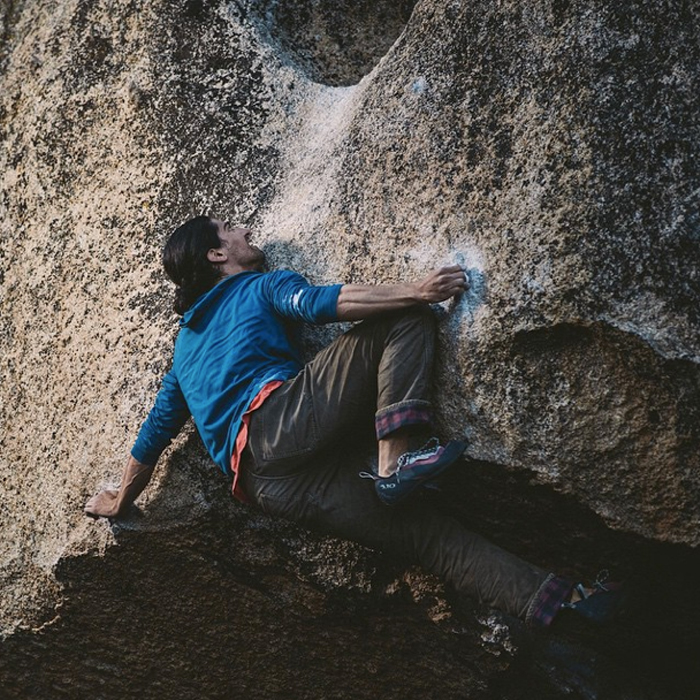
(418, 294)
(118, 507)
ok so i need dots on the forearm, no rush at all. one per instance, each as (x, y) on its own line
(164, 421)
(358, 301)
(110, 503)
(135, 478)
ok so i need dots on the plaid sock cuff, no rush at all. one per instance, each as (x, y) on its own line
(548, 600)
(400, 415)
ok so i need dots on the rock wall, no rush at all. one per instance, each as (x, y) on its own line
(559, 174)
(551, 147)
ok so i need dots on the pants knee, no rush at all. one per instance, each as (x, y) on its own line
(423, 317)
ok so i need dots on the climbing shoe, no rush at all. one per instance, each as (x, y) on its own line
(602, 602)
(415, 468)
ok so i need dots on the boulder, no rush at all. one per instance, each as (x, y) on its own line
(551, 148)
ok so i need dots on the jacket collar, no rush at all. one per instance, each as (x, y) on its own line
(210, 298)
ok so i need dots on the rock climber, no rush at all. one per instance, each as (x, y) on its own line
(273, 424)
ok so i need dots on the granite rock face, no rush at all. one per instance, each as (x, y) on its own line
(550, 147)
(563, 174)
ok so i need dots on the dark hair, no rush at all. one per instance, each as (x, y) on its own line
(185, 260)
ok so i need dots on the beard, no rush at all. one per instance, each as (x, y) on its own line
(257, 260)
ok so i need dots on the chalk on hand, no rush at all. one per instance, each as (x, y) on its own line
(459, 260)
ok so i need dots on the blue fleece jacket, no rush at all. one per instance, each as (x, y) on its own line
(236, 338)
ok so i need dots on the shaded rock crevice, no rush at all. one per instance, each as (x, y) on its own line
(330, 42)
(233, 602)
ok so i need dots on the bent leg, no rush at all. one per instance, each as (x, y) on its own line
(381, 366)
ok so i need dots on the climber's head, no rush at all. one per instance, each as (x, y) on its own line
(204, 250)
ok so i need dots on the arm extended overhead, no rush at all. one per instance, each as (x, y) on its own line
(358, 301)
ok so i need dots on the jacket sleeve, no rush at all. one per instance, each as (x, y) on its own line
(169, 413)
(293, 297)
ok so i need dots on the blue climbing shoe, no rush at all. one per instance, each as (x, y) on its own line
(415, 468)
(601, 603)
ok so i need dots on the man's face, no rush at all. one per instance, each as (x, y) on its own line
(237, 243)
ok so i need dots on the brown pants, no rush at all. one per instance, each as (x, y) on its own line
(292, 467)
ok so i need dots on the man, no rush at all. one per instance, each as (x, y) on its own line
(272, 422)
